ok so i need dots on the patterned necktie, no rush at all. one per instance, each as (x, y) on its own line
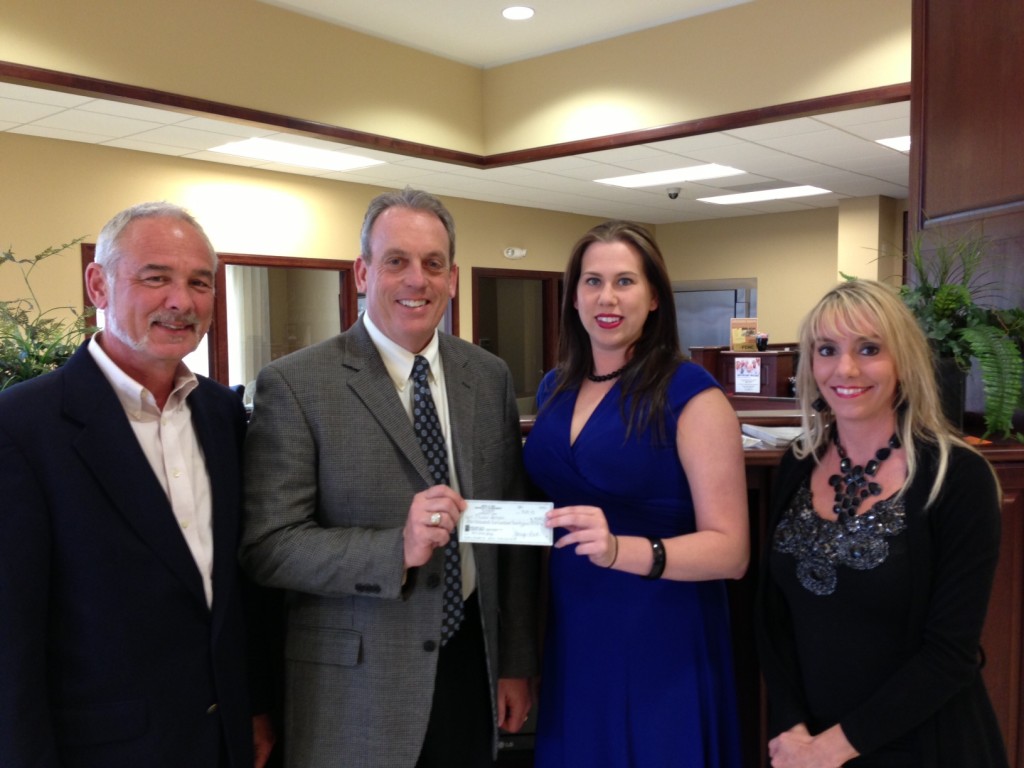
(427, 426)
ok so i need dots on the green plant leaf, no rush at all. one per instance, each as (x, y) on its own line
(1002, 373)
(32, 340)
(951, 297)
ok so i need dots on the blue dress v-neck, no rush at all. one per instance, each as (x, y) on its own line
(636, 672)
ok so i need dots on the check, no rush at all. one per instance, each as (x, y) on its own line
(505, 522)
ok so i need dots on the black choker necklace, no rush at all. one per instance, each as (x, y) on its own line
(607, 376)
(854, 485)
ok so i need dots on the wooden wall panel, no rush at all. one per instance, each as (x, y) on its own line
(969, 110)
(1003, 635)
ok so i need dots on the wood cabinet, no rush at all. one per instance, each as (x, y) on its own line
(1003, 636)
(966, 113)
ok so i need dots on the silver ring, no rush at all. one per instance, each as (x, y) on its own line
(435, 518)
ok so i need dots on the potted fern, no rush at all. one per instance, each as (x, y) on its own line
(950, 295)
(34, 341)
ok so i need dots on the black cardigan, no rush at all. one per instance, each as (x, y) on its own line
(938, 693)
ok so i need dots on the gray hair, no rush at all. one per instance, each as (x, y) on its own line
(413, 199)
(108, 252)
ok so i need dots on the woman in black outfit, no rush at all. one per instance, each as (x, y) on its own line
(883, 545)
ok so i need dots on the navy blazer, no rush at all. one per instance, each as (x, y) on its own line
(109, 654)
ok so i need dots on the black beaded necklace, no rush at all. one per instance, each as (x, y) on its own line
(854, 485)
(606, 377)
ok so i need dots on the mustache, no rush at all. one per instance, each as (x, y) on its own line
(174, 318)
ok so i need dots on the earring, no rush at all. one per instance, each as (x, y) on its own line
(819, 404)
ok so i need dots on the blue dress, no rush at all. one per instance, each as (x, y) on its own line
(636, 673)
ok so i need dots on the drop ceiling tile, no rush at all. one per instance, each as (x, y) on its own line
(42, 95)
(832, 147)
(376, 173)
(220, 157)
(862, 186)
(622, 155)
(145, 146)
(557, 164)
(225, 127)
(18, 111)
(45, 132)
(869, 166)
(179, 136)
(897, 110)
(132, 111)
(688, 144)
(797, 127)
(297, 170)
(882, 129)
(105, 126)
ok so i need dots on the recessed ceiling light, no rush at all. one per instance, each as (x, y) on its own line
(900, 143)
(295, 154)
(672, 176)
(517, 13)
(764, 194)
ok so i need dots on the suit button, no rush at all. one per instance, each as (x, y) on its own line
(429, 646)
(212, 709)
(433, 581)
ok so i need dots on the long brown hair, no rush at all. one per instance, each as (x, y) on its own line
(652, 359)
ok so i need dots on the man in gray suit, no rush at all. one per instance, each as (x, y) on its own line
(345, 512)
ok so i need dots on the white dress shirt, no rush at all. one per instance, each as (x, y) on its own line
(169, 443)
(399, 362)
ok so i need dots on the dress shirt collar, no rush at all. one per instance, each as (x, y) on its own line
(398, 360)
(136, 400)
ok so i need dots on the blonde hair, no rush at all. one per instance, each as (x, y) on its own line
(873, 310)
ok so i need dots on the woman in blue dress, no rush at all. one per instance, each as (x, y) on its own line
(641, 454)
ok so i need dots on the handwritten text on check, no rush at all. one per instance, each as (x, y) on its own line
(505, 522)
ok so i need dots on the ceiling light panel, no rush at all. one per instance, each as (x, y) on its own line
(518, 13)
(899, 143)
(784, 193)
(672, 176)
(293, 154)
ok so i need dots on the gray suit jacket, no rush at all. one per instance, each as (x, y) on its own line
(331, 466)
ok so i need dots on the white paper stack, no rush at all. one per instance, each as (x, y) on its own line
(774, 437)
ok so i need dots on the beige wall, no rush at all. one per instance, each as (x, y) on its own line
(870, 238)
(792, 255)
(754, 55)
(247, 53)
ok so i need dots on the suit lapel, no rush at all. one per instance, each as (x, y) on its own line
(371, 383)
(108, 447)
(220, 443)
(461, 384)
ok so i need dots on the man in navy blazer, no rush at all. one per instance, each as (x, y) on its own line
(122, 639)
